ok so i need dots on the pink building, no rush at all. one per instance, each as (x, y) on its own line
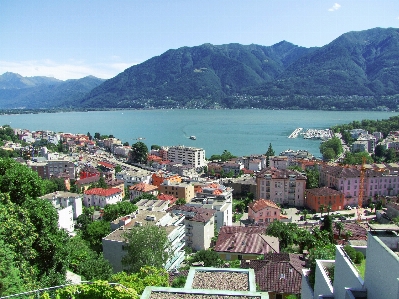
(263, 211)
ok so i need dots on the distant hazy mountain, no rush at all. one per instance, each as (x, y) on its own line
(15, 81)
(358, 70)
(42, 92)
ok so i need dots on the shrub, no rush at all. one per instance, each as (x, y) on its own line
(350, 252)
(359, 257)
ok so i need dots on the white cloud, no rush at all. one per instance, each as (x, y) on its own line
(72, 69)
(335, 7)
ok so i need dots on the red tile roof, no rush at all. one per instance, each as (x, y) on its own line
(278, 272)
(171, 198)
(143, 187)
(103, 192)
(261, 204)
(245, 240)
(107, 165)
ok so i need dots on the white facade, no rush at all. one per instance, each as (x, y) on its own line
(101, 198)
(187, 155)
(65, 219)
(60, 199)
(380, 278)
(199, 234)
(133, 177)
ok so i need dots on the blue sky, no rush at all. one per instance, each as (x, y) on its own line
(69, 39)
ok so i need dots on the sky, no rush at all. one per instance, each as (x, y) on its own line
(71, 39)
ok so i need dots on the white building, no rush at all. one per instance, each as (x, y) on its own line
(114, 243)
(61, 199)
(68, 206)
(380, 278)
(199, 225)
(99, 197)
(132, 177)
(187, 155)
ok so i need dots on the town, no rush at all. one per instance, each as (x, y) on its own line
(231, 209)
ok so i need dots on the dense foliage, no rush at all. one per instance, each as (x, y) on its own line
(139, 153)
(147, 245)
(331, 149)
(122, 208)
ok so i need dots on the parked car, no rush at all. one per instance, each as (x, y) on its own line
(316, 217)
(348, 208)
(342, 218)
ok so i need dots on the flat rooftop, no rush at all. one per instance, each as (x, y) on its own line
(118, 235)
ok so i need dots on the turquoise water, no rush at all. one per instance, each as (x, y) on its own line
(242, 132)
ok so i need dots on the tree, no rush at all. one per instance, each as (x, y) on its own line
(148, 196)
(122, 208)
(312, 178)
(321, 209)
(270, 152)
(139, 153)
(126, 143)
(86, 262)
(210, 258)
(118, 168)
(181, 201)
(339, 226)
(226, 156)
(331, 148)
(146, 276)
(10, 276)
(155, 147)
(94, 233)
(147, 245)
(97, 136)
(19, 181)
(54, 184)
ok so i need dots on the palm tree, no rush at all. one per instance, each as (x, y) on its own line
(339, 226)
(321, 209)
(328, 209)
(372, 206)
(348, 234)
(305, 213)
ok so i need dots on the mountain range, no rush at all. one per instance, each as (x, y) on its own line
(358, 70)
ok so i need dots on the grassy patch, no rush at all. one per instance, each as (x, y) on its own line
(361, 268)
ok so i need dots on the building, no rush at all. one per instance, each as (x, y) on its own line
(84, 184)
(99, 197)
(263, 211)
(152, 205)
(380, 278)
(66, 199)
(68, 206)
(132, 177)
(325, 197)
(114, 243)
(223, 209)
(279, 274)
(179, 190)
(52, 168)
(141, 188)
(187, 155)
(199, 225)
(379, 180)
(159, 177)
(282, 186)
(244, 243)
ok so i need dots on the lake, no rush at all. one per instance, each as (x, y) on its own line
(242, 132)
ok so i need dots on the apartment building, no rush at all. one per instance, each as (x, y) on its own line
(263, 211)
(282, 186)
(192, 156)
(68, 206)
(379, 180)
(324, 196)
(140, 188)
(99, 197)
(132, 177)
(53, 168)
(115, 242)
(199, 225)
(179, 190)
(159, 177)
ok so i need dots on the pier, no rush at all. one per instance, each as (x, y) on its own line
(295, 133)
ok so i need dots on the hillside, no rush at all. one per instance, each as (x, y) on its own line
(358, 70)
(42, 92)
(194, 77)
